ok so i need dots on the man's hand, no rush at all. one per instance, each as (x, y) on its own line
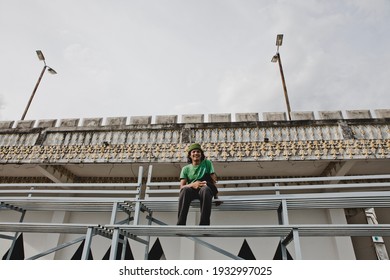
(198, 184)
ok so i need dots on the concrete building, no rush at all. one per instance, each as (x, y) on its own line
(315, 187)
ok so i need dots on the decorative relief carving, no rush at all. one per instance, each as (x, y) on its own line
(220, 144)
(218, 151)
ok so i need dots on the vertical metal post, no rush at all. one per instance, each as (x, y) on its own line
(282, 210)
(114, 244)
(113, 213)
(148, 238)
(139, 182)
(124, 247)
(33, 93)
(87, 244)
(297, 244)
(284, 86)
(137, 206)
(11, 249)
(283, 220)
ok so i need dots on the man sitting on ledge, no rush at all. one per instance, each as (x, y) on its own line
(197, 181)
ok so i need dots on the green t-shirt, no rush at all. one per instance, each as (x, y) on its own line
(194, 173)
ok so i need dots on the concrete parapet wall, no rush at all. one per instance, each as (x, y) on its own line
(6, 124)
(116, 121)
(247, 117)
(69, 122)
(92, 122)
(141, 120)
(274, 116)
(299, 116)
(213, 118)
(194, 118)
(330, 115)
(382, 113)
(244, 140)
(47, 123)
(359, 114)
(25, 124)
(166, 119)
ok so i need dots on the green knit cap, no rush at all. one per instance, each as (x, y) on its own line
(194, 146)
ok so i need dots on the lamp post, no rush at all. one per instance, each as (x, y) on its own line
(49, 69)
(276, 58)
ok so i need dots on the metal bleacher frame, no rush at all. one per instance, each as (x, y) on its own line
(269, 194)
(73, 197)
(280, 194)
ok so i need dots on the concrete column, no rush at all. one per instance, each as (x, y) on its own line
(57, 238)
(343, 244)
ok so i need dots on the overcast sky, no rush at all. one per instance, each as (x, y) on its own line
(127, 58)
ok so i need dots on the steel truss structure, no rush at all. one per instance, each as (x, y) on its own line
(281, 195)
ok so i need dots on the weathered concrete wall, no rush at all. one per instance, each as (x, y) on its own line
(246, 139)
(195, 118)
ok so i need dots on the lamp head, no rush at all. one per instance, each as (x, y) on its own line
(51, 70)
(275, 58)
(279, 39)
(40, 55)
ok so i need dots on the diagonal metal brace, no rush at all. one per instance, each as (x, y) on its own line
(202, 242)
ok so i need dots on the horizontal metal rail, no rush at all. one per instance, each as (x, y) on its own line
(91, 197)
(52, 228)
(84, 189)
(255, 231)
(306, 179)
(70, 185)
(298, 193)
(89, 192)
(283, 180)
(281, 188)
(272, 202)
(69, 204)
(204, 231)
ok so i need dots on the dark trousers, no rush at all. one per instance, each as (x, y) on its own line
(187, 194)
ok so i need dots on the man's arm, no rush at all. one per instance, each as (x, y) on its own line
(183, 183)
(214, 178)
(215, 181)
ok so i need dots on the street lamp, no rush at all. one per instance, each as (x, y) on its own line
(49, 69)
(276, 58)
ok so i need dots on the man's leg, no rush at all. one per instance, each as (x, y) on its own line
(206, 198)
(185, 197)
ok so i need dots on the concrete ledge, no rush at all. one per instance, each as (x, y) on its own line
(92, 122)
(194, 118)
(47, 123)
(6, 124)
(141, 120)
(247, 117)
(166, 119)
(220, 118)
(274, 116)
(197, 118)
(69, 122)
(116, 121)
(302, 116)
(382, 113)
(330, 115)
(359, 114)
(25, 124)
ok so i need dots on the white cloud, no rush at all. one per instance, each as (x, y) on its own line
(128, 58)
